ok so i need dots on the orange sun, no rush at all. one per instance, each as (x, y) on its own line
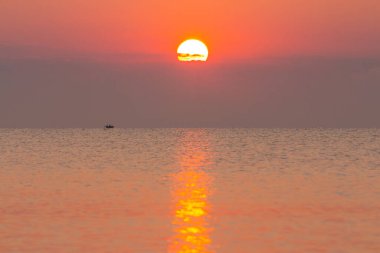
(192, 50)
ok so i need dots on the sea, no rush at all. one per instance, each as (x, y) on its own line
(190, 190)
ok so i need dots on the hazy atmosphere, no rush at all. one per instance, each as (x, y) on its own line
(307, 92)
(271, 64)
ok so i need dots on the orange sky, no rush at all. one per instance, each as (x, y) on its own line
(232, 29)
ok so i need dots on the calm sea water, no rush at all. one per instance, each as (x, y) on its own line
(189, 190)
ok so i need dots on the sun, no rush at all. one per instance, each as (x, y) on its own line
(192, 50)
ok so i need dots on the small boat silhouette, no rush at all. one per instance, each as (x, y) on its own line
(108, 126)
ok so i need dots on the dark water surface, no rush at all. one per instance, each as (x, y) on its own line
(190, 190)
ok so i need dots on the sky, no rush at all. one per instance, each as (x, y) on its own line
(272, 63)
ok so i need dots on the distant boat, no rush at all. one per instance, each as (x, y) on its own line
(108, 126)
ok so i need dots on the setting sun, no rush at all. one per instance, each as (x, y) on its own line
(192, 50)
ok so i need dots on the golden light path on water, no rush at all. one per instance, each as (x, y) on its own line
(190, 194)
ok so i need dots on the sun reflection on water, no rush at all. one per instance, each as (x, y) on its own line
(190, 193)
